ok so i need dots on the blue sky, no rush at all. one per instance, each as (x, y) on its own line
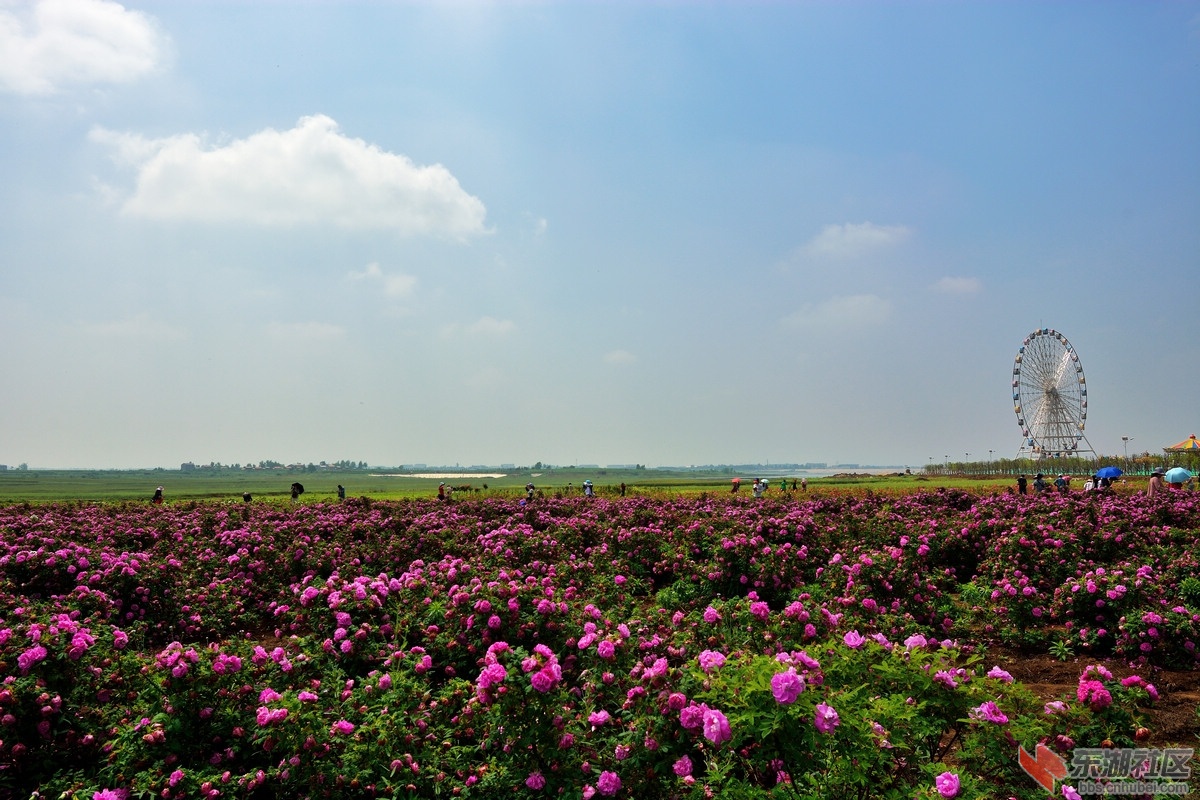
(662, 233)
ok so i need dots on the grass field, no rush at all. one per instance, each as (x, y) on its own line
(125, 485)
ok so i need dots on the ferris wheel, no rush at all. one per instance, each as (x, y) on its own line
(1050, 397)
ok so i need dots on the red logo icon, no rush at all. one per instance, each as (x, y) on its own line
(1045, 768)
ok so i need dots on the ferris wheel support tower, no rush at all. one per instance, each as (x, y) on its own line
(1050, 397)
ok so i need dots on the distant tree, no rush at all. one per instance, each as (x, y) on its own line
(538, 465)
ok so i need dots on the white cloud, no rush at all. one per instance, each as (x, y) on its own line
(396, 284)
(304, 332)
(487, 379)
(619, 357)
(139, 326)
(952, 285)
(490, 326)
(58, 43)
(841, 314)
(852, 240)
(309, 175)
(484, 326)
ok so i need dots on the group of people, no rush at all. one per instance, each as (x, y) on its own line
(1095, 483)
(296, 490)
(761, 485)
(1158, 483)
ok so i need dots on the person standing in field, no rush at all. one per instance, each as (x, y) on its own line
(341, 492)
(158, 497)
(1157, 485)
(737, 484)
(804, 484)
(441, 491)
(1022, 484)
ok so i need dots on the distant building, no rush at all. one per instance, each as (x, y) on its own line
(3, 467)
(187, 466)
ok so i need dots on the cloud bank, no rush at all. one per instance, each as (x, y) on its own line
(960, 286)
(309, 175)
(841, 314)
(54, 44)
(852, 240)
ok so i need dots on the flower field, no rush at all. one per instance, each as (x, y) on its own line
(815, 646)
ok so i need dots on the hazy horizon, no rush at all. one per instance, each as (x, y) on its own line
(668, 233)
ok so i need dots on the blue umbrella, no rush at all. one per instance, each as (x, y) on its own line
(1109, 472)
(1177, 475)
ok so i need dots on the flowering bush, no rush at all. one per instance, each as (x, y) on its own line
(622, 648)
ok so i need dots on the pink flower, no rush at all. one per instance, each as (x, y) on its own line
(608, 783)
(342, 728)
(536, 781)
(1069, 792)
(692, 716)
(989, 712)
(1000, 675)
(786, 686)
(1094, 694)
(716, 726)
(946, 784)
(711, 615)
(307, 697)
(683, 767)
(30, 657)
(854, 640)
(826, 718)
(110, 794)
(599, 718)
(606, 649)
(945, 677)
(1054, 707)
(710, 660)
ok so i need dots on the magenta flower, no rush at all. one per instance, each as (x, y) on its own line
(30, 657)
(1069, 793)
(599, 718)
(711, 615)
(945, 677)
(692, 716)
(683, 767)
(946, 784)
(854, 640)
(989, 712)
(342, 728)
(716, 726)
(536, 781)
(787, 686)
(110, 794)
(1094, 694)
(609, 783)
(606, 649)
(826, 718)
(1000, 675)
(710, 660)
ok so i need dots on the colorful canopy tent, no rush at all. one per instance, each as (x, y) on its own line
(1188, 445)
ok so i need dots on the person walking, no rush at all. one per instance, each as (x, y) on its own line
(1022, 484)
(1157, 485)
